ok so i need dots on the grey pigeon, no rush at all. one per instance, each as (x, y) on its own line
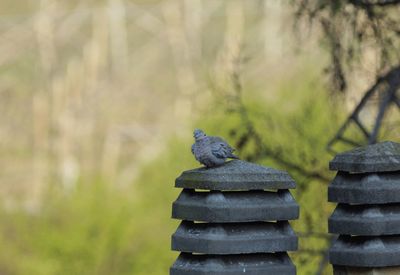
(211, 151)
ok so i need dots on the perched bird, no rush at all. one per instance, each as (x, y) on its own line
(211, 151)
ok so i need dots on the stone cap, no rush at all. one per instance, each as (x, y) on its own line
(235, 175)
(365, 188)
(380, 157)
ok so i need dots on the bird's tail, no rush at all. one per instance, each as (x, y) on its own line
(233, 156)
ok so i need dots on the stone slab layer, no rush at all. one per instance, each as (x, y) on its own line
(345, 270)
(235, 175)
(360, 251)
(254, 264)
(236, 206)
(365, 220)
(370, 188)
(234, 238)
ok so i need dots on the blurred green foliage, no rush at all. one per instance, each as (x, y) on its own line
(88, 231)
(53, 90)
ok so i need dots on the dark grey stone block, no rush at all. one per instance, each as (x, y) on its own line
(254, 264)
(234, 238)
(235, 175)
(369, 188)
(235, 206)
(380, 157)
(349, 270)
(365, 220)
(361, 251)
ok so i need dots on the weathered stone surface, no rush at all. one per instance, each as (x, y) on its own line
(235, 175)
(236, 206)
(254, 264)
(360, 251)
(380, 157)
(369, 188)
(346, 270)
(234, 238)
(365, 220)
(240, 226)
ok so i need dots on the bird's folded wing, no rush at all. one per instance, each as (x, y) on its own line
(219, 150)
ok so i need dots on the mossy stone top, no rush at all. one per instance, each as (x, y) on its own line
(235, 175)
(380, 157)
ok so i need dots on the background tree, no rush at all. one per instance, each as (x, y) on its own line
(351, 29)
(354, 30)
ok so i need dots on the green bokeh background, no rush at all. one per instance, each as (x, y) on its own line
(99, 100)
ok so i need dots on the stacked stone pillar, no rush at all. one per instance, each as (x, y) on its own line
(367, 217)
(234, 221)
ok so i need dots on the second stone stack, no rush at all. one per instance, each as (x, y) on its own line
(234, 221)
(367, 218)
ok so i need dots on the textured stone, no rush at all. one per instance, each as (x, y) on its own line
(236, 206)
(380, 157)
(239, 225)
(365, 220)
(254, 264)
(235, 175)
(234, 238)
(360, 251)
(345, 270)
(370, 188)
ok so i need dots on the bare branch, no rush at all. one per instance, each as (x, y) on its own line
(369, 3)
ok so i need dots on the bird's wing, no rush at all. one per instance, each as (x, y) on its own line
(218, 139)
(220, 148)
